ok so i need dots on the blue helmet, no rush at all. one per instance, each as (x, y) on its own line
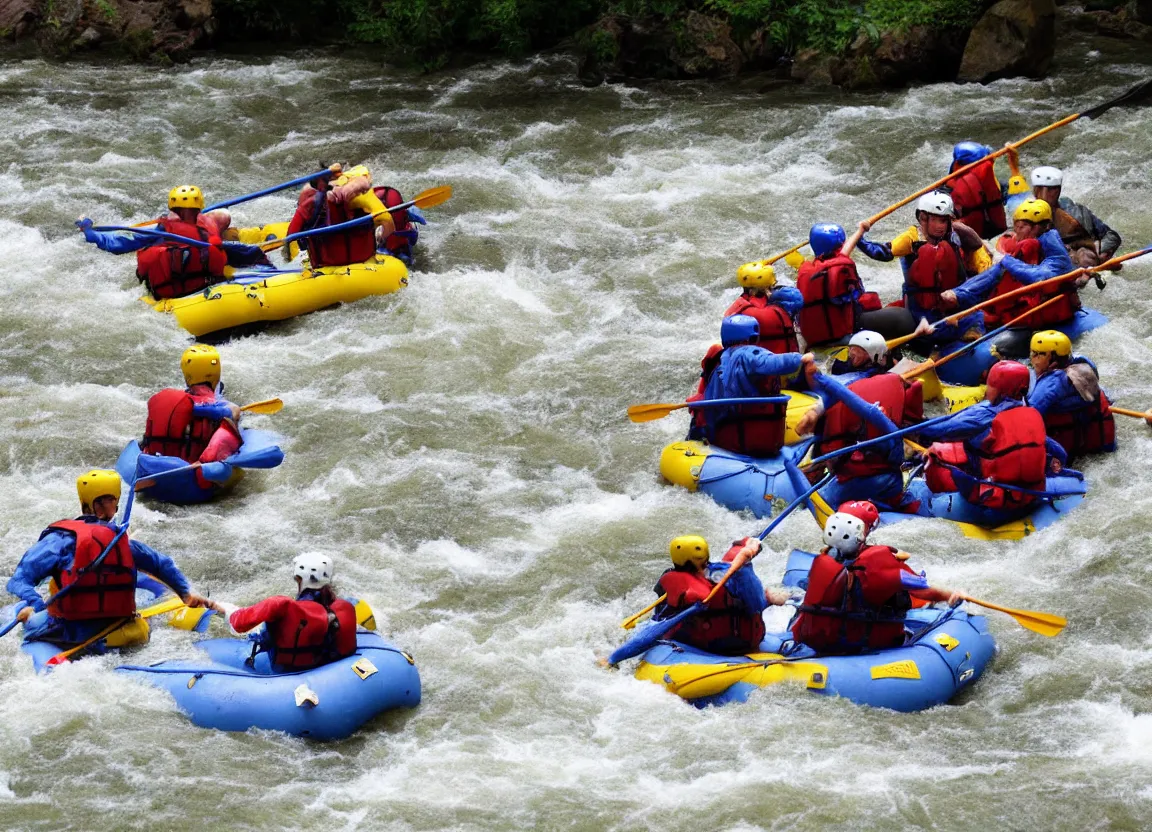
(736, 329)
(965, 153)
(825, 238)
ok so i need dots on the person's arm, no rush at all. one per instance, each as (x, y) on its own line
(978, 287)
(1057, 456)
(762, 362)
(247, 618)
(968, 422)
(242, 254)
(934, 594)
(1055, 263)
(1046, 392)
(1107, 240)
(220, 409)
(114, 242)
(849, 244)
(876, 251)
(165, 570)
(969, 239)
(48, 556)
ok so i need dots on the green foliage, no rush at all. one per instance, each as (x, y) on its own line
(106, 9)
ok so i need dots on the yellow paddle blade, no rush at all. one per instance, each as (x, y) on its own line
(266, 406)
(364, 616)
(1044, 623)
(794, 259)
(651, 412)
(820, 508)
(433, 196)
(161, 607)
(188, 618)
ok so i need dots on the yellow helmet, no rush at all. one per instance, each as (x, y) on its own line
(186, 196)
(1033, 210)
(1050, 340)
(96, 484)
(688, 547)
(201, 365)
(1018, 185)
(756, 275)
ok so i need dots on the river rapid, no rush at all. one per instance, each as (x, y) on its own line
(462, 448)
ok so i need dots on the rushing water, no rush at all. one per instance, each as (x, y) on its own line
(462, 448)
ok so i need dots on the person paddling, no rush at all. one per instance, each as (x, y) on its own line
(326, 201)
(195, 424)
(97, 595)
(314, 628)
(858, 595)
(1067, 394)
(170, 269)
(732, 624)
(773, 305)
(1089, 239)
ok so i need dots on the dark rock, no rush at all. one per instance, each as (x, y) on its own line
(920, 53)
(1143, 11)
(691, 46)
(17, 17)
(1014, 37)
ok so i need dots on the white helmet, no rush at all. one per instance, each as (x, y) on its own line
(1047, 177)
(872, 343)
(936, 203)
(845, 533)
(314, 570)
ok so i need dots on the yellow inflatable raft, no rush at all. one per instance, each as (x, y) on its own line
(277, 297)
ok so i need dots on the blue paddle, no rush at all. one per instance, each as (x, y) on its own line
(657, 629)
(152, 232)
(283, 186)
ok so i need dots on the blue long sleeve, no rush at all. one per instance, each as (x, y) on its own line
(217, 410)
(1056, 261)
(161, 566)
(744, 585)
(117, 242)
(977, 288)
(789, 299)
(1052, 390)
(876, 251)
(967, 423)
(49, 556)
(870, 413)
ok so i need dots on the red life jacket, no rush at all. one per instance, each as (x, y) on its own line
(172, 270)
(1013, 454)
(1089, 430)
(979, 203)
(942, 459)
(391, 197)
(1028, 251)
(855, 605)
(821, 282)
(173, 430)
(934, 269)
(777, 333)
(723, 627)
(707, 365)
(304, 637)
(842, 427)
(338, 248)
(109, 590)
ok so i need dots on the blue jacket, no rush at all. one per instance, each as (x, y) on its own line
(53, 554)
(972, 425)
(1056, 262)
(1054, 392)
(123, 242)
(744, 585)
(739, 374)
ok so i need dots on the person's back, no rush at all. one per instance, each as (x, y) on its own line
(323, 204)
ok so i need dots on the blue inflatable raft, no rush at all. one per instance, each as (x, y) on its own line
(220, 690)
(761, 486)
(970, 368)
(175, 482)
(946, 651)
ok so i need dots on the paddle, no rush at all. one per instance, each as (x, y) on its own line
(1135, 414)
(1137, 95)
(169, 605)
(266, 457)
(268, 406)
(651, 412)
(934, 363)
(867, 443)
(151, 232)
(1044, 623)
(425, 199)
(657, 629)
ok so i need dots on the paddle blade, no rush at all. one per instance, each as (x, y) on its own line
(690, 682)
(1044, 623)
(651, 412)
(795, 259)
(433, 196)
(1135, 97)
(268, 406)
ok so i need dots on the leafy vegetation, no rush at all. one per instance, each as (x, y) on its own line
(431, 32)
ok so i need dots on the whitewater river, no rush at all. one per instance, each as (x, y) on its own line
(462, 448)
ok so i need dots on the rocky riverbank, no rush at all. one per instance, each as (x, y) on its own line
(989, 40)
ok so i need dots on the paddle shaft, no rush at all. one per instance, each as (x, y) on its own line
(933, 363)
(283, 186)
(151, 232)
(867, 443)
(784, 254)
(1135, 414)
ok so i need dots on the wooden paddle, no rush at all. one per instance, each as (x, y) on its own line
(425, 199)
(1135, 414)
(168, 605)
(934, 363)
(651, 412)
(1139, 94)
(268, 406)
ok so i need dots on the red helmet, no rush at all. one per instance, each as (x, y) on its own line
(864, 511)
(1010, 378)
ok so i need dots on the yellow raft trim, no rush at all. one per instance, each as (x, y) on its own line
(696, 681)
(283, 296)
(904, 669)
